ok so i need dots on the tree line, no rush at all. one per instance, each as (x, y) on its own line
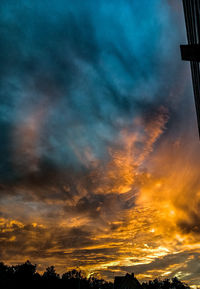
(26, 276)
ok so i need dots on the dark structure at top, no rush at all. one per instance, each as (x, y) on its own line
(191, 52)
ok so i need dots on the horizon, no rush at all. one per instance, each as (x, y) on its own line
(82, 274)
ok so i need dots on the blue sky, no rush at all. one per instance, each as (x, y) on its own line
(97, 65)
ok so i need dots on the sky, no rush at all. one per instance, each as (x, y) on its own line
(99, 145)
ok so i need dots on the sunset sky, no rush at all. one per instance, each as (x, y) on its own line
(99, 147)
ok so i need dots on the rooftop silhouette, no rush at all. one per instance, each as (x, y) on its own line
(128, 281)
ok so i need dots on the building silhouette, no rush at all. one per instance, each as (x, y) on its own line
(191, 51)
(126, 282)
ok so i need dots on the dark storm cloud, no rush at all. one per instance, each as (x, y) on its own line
(191, 223)
(70, 246)
(102, 207)
(72, 75)
(37, 241)
(159, 263)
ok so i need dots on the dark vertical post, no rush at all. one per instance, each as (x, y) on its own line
(191, 52)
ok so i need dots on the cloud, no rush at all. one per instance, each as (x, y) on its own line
(69, 85)
(99, 165)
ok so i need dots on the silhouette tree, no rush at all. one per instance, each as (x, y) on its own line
(5, 274)
(73, 274)
(26, 270)
(178, 284)
(75, 279)
(50, 274)
(25, 276)
(165, 284)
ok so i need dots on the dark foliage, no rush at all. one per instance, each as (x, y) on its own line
(165, 284)
(25, 276)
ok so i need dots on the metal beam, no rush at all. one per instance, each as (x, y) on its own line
(190, 52)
